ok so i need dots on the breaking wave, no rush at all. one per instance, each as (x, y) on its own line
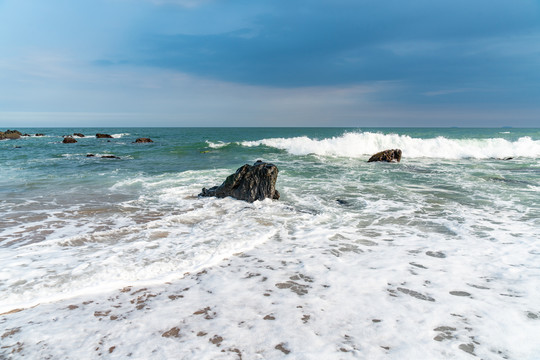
(217, 145)
(368, 143)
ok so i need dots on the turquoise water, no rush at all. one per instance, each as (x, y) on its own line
(72, 225)
(43, 160)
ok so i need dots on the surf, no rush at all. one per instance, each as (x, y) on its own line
(362, 144)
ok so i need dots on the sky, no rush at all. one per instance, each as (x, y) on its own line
(361, 63)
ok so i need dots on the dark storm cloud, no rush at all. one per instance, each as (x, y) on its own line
(310, 43)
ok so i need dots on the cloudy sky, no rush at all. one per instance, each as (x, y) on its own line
(270, 63)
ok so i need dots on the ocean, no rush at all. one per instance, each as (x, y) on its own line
(434, 257)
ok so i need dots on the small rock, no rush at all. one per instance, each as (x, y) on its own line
(69, 140)
(387, 155)
(216, 340)
(143, 140)
(78, 134)
(281, 347)
(174, 332)
(103, 136)
(110, 157)
(39, 134)
(90, 155)
(10, 134)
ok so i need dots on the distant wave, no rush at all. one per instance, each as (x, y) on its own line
(368, 143)
(217, 145)
(118, 136)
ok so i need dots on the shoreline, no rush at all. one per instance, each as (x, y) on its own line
(304, 302)
(427, 258)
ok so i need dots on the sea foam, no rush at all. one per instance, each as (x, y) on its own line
(118, 136)
(217, 145)
(366, 143)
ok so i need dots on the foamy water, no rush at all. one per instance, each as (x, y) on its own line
(434, 257)
(367, 143)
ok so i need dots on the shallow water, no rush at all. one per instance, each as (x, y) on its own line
(433, 257)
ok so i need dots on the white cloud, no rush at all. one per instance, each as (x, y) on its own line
(447, 91)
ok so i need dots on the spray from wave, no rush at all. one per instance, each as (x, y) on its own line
(368, 143)
(118, 136)
(217, 145)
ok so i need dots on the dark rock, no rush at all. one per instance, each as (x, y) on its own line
(78, 134)
(26, 135)
(40, 135)
(69, 140)
(110, 157)
(342, 202)
(10, 134)
(90, 155)
(387, 155)
(248, 183)
(143, 140)
(103, 136)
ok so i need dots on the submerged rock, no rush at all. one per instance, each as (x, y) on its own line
(248, 183)
(387, 155)
(143, 140)
(10, 134)
(110, 157)
(69, 140)
(78, 134)
(103, 136)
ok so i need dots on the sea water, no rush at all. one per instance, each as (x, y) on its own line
(435, 257)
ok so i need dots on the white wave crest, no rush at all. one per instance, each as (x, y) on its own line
(368, 143)
(118, 136)
(217, 145)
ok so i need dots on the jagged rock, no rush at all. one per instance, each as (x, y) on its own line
(69, 140)
(103, 136)
(143, 140)
(248, 183)
(10, 134)
(78, 134)
(387, 155)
